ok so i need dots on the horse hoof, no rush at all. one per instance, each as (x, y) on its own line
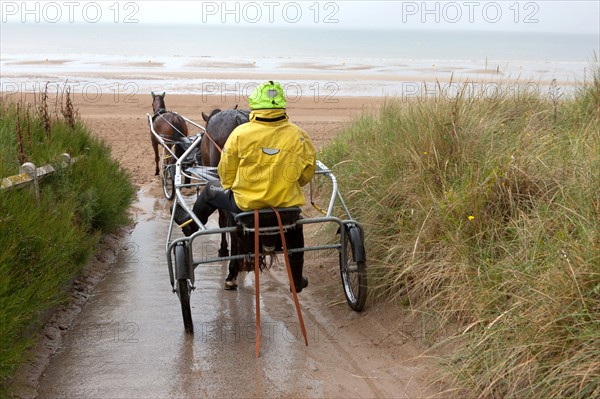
(231, 285)
(300, 285)
(223, 253)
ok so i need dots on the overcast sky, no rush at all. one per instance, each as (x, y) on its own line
(511, 15)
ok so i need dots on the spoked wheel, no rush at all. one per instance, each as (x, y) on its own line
(354, 269)
(183, 288)
(168, 181)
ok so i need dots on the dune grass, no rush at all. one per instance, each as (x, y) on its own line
(43, 245)
(485, 212)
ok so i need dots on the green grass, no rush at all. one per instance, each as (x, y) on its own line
(484, 212)
(44, 245)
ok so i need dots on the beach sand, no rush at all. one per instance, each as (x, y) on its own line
(122, 122)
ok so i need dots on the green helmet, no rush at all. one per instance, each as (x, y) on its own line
(267, 95)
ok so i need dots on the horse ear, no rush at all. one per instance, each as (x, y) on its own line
(164, 94)
(205, 117)
(153, 95)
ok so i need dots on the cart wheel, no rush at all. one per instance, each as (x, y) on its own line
(354, 271)
(183, 290)
(168, 181)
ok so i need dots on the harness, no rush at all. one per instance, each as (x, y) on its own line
(245, 113)
(159, 114)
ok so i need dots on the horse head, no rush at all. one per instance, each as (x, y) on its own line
(208, 117)
(158, 102)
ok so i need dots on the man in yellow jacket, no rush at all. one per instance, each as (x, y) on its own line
(264, 164)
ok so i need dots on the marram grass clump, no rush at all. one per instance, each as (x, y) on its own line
(485, 212)
(44, 243)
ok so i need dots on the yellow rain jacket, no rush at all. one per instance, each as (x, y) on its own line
(266, 161)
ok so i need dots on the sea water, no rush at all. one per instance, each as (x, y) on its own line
(204, 59)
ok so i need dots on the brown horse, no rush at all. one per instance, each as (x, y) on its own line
(219, 125)
(168, 125)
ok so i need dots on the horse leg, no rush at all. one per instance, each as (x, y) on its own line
(233, 267)
(223, 222)
(156, 157)
(231, 280)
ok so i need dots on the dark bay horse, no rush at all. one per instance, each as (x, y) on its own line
(219, 125)
(167, 124)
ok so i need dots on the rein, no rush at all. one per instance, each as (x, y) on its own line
(213, 141)
(257, 278)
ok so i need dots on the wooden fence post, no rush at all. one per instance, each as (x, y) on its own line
(31, 170)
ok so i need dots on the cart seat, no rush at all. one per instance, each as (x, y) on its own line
(268, 220)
